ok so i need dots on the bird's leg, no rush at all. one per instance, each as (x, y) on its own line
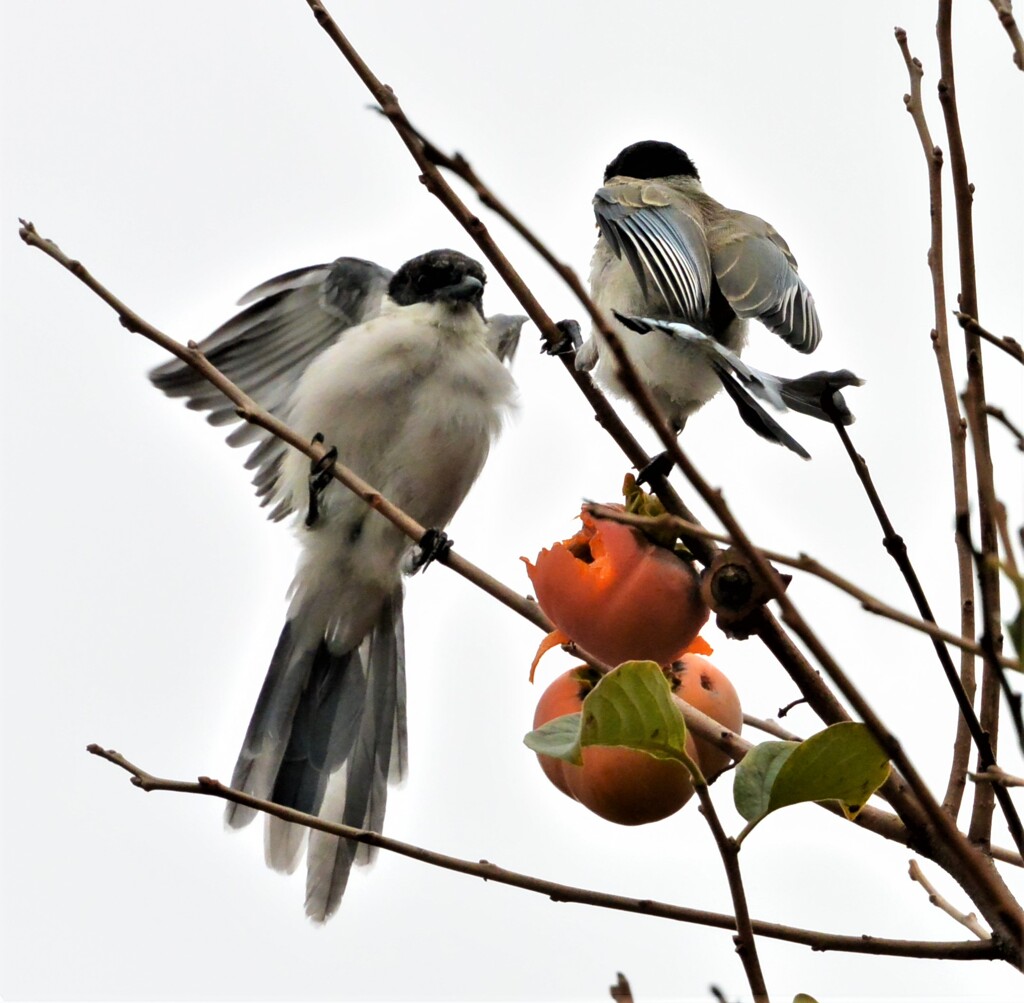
(568, 343)
(320, 476)
(660, 466)
(434, 546)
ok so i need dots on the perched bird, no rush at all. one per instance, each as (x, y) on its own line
(681, 274)
(403, 375)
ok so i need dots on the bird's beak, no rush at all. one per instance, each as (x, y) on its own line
(466, 291)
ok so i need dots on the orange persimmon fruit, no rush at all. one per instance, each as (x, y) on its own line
(621, 785)
(619, 595)
(707, 688)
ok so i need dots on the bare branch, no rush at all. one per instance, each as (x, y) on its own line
(205, 786)
(897, 549)
(802, 562)
(955, 424)
(1004, 8)
(1009, 345)
(970, 920)
(729, 851)
(1000, 416)
(994, 775)
(620, 992)
(988, 577)
(772, 728)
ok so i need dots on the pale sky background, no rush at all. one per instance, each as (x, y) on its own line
(187, 151)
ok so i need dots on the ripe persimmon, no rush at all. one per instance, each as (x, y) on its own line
(619, 595)
(621, 785)
(708, 689)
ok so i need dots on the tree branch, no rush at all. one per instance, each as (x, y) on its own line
(802, 562)
(963, 195)
(897, 550)
(1009, 345)
(1004, 9)
(729, 851)
(205, 786)
(955, 424)
(970, 920)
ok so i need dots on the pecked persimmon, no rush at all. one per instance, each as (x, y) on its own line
(708, 689)
(619, 595)
(621, 785)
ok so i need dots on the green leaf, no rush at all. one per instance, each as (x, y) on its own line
(559, 738)
(755, 775)
(632, 706)
(842, 763)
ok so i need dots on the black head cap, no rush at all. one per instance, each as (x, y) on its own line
(651, 159)
(437, 276)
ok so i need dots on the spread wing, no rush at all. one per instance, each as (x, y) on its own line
(662, 239)
(757, 275)
(264, 349)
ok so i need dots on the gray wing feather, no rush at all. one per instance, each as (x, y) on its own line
(503, 331)
(758, 277)
(662, 244)
(265, 348)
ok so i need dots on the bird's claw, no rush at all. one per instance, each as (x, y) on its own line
(434, 545)
(320, 475)
(656, 468)
(568, 343)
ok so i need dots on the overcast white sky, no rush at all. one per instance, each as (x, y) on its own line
(187, 151)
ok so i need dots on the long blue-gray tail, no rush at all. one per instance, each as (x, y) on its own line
(327, 734)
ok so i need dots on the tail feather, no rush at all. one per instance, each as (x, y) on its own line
(805, 393)
(754, 416)
(357, 795)
(271, 723)
(327, 734)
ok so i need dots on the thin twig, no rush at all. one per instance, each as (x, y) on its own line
(991, 653)
(772, 728)
(956, 425)
(952, 950)
(897, 550)
(1007, 344)
(1009, 557)
(1004, 8)
(729, 851)
(1000, 415)
(963, 195)
(994, 775)
(970, 919)
(802, 562)
(620, 992)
